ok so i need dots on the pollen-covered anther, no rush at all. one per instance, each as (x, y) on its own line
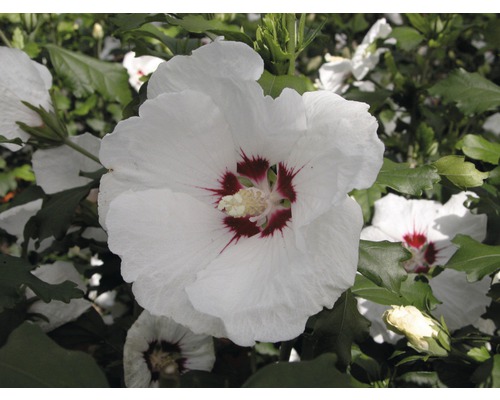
(248, 202)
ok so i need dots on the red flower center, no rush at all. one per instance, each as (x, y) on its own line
(424, 252)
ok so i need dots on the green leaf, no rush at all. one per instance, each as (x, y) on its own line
(366, 198)
(273, 85)
(318, 373)
(461, 173)
(420, 22)
(381, 263)
(471, 92)
(487, 375)
(402, 178)
(86, 75)
(478, 148)
(407, 38)
(335, 330)
(31, 359)
(480, 354)
(17, 141)
(56, 214)
(367, 289)
(16, 272)
(474, 258)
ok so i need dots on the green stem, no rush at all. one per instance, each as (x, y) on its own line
(5, 40)
(81, 150)
(290, 25)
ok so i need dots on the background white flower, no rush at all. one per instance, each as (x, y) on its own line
(57, 169)
(333, 73)
(159, 343)
(290, 249)
(58, 312)
(426, 228)
(137, 67)
(21, 79)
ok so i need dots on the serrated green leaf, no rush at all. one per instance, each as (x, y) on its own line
(474, 258)
(31, 359)
(478, 148)
(17, 141)
(318, 373)
(417, 292)
(471, 92)
(273, 85)
(406, 38)
(336, 330)
(366, 198)
(400, 177)
(381, 263)
(86, 75)
(461, 173)
(56, 214)
(16, 272)
(366, 289)
(480, 354)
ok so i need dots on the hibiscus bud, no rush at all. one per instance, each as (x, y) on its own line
(424, 334)
(97, 31)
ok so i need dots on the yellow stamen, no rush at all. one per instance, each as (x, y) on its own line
(245, 203)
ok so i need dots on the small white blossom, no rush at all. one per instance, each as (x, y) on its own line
(137, 67)
(21, 79)
(159, 345)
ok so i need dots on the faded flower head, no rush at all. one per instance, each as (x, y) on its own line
(228, 208)
(158, 347)
(21, 79)
(423, 333)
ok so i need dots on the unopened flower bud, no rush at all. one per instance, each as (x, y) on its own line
(97, 31)
(424, 334)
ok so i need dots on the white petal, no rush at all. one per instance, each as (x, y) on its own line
(168, 145)
(163, 239)
(380, 30)
(333, 74)
(21, 79)
(58, 169)
(138, 67)
(217, 60)
(58, 312)
(463, 302)
(340, 152)
(274, 287)
(14, 219)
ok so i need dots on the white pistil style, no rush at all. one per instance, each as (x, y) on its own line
(244, 203)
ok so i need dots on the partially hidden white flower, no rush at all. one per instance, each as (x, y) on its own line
(426, 229)
(492, 124)
(58, 312)
(21, 79)
(228, 208)
(57, 169)
(156, 345)
(137, 67)
(334, 72)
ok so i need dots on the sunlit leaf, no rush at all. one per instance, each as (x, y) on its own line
(474, 258)
(471, 92)
(31, 359)
(461, 173)
(478, 148)
(273, 85)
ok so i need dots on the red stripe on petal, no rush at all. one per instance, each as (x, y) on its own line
(277, 221)
(415, 240)
(254, 168)
(241, 227)
(284, 183)
(229, 185)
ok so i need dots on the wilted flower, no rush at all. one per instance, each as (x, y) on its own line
(333, 73)
(426, 229)
(21, 79)
(159, 347)
(423, 333)
(57, 169)
(58, 312)
(228, 208)
(137, 67)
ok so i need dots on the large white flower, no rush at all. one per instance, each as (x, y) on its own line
(228, 208)
(21, 79)
(156, 345)
(59, 168)
(333, 73)
(426, 229)
(58, 312)
(137, 67)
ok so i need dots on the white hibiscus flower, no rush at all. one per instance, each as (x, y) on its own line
(137, 67)
(57, 169)
(21, 79)
(159, 345)
(58, 312)
(426, 229)
(228, 208)
(333, 73)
